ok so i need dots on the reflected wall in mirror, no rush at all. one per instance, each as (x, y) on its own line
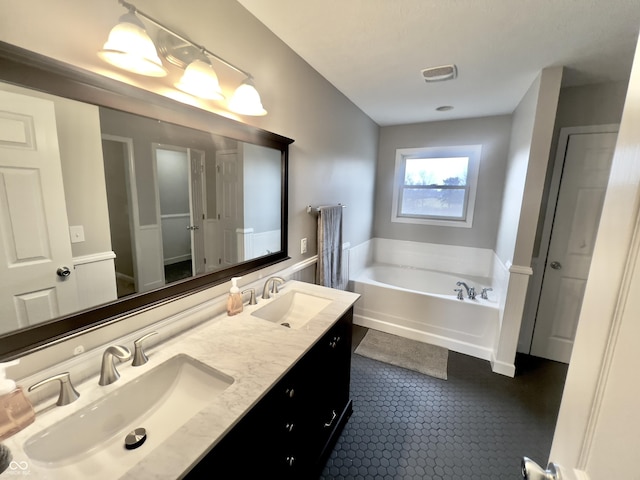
(105, 211)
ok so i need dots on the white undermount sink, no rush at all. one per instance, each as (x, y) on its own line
(293, 309)
(161, 401)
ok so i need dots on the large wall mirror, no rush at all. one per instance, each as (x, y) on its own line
(113, 199)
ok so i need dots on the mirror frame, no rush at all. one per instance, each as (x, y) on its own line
(31, 70)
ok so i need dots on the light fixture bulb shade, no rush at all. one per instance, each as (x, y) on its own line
(246, 101)
(200, 80)
(130, 48)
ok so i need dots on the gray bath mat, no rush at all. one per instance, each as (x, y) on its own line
(403, 352)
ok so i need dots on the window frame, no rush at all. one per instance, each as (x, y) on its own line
(472, 152)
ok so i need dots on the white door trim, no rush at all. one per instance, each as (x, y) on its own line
(538, 263)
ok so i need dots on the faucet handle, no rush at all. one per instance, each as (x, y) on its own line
(139, 356)
(67, 395)
(484, 295)
(252, 299)
(460, 295)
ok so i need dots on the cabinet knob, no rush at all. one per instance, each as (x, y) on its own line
(334, 343)
(291, 461)
(289, 392)
(289, 427)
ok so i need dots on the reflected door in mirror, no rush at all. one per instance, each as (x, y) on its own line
(33, 219)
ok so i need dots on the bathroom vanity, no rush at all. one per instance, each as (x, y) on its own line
(234, 397)
(292, 430)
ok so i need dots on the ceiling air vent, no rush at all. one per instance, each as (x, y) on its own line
(439, 74)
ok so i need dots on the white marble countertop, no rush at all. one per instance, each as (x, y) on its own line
(255, 352)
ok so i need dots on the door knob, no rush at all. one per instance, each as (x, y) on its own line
(555, 265)
(63, 272)
(532, 471)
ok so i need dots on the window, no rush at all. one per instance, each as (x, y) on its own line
(436, 185)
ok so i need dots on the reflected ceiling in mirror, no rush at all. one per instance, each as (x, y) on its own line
(160, 199)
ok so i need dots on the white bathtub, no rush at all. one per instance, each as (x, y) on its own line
(422, 305)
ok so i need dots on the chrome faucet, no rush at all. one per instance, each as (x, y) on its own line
(67, 394)
(483, 293)
(459, 294)
(108, 372)
(274, 281)
(471, 292)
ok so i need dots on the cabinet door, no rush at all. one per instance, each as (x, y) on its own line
(332, 371)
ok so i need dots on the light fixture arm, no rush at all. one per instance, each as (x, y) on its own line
(132, 8)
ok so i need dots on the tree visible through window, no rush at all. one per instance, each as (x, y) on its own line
(431, 185)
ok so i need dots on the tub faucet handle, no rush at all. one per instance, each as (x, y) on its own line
(460, 295)
(484, 295)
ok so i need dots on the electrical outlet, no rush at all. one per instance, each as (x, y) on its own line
(303, 245)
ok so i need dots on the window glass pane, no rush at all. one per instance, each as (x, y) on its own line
(436, 171)
(435, 202)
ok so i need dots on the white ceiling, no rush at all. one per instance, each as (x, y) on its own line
(373, 50)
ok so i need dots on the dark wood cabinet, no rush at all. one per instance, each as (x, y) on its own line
(291, 432)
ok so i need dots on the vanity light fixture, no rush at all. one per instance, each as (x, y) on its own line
(246, 100)
(130, 48)
(199, 78)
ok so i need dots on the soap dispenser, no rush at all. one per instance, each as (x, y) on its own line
(16, 411)
(234, 302)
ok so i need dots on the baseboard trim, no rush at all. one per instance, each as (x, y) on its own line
(413, 334)
(503, 368)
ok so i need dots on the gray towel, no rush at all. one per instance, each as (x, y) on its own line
(329, 270)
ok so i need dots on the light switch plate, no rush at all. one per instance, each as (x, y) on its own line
(303, 245)
(76, 233)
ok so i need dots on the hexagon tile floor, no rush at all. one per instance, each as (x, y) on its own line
(476, 425)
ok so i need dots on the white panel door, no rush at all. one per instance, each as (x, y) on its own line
(33, 218)
(584, 182)
(230, 204)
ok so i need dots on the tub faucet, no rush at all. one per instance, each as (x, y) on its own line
(471, 292)
(274, 282)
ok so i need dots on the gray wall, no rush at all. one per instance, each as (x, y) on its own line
(260, 167)
(115, 166)
(598, 104)
(531, 134)
(333, 158)
(492, 133)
